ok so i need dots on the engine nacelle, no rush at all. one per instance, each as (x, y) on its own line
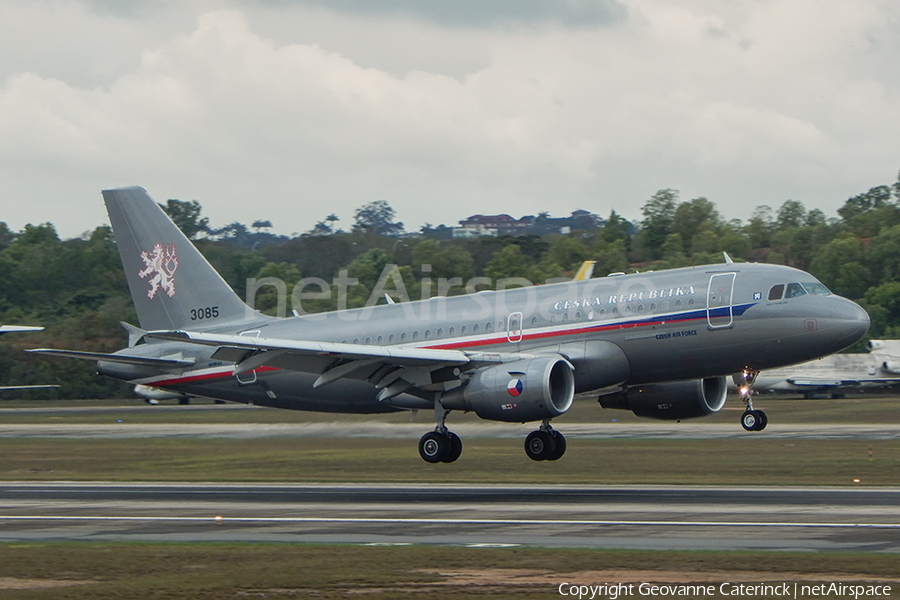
(526, 390)
(672, 401)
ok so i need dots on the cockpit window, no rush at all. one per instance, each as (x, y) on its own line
(776, 292)
(815, 288)
(794, 290)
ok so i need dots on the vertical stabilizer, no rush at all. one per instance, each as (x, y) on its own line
(171, 283)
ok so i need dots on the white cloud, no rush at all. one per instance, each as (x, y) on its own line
(744, 102)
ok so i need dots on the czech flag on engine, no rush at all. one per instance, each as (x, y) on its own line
(515, 387)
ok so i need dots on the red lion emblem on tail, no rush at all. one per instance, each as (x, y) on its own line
(162, 264)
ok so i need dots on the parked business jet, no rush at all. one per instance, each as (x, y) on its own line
(659, 344)
(17, 328)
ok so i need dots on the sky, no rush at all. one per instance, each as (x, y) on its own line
(291, 110)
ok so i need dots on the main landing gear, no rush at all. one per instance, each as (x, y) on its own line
(545, 443)
(751, 420)
(444, 446)
(440, 445)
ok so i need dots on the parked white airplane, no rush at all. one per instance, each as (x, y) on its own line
(836, 373)
(12, 329)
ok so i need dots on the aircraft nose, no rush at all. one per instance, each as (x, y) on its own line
(854, 322)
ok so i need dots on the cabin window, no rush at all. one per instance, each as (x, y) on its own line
(427, 334)
(465, 329)
(553, 318)
(665, 306)
(452, 330)
(691, 302)
(475, 328)
(391, 339)
(776, 292)
(368, 341)
(793, 290)
(402, 337)
(533, 321)
(440, 332)
(380, 340)
(653, 307)
(577, 316)
(628, 310)
(499, 325)
(602, 312)
(640, 308)
(488, 327)
(615, 312)
(566, 318)
(355, 340)
(677, 304)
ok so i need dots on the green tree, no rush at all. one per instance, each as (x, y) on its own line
(840, 266)
(377, 218)
(186, 216)
(693, 217)
(508, 262)
(659, 215)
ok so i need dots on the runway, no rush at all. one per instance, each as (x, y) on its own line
(412, 431)
(624, 517)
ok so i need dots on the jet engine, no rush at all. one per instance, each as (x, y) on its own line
(671, 401)
(526, 390)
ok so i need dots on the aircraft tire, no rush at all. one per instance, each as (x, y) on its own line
(455, 448)
(763, 420)
(539, 445)
(434, 446)
(749, 420)
(560, 446)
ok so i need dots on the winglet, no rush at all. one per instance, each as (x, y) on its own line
(586, 270)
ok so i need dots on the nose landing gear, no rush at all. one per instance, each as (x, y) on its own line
(751, 420)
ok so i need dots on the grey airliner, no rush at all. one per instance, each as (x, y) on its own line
(660, 344)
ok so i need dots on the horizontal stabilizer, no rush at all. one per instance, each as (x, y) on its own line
(118, 358)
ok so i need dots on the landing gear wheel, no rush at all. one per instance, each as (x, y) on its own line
(560, 446)
(455, 448)
(434, 446)
(754, 420)
(763, 420)
(539, 445)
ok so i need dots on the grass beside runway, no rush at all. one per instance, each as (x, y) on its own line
(742, 461)
(856, 409)
(74, 571)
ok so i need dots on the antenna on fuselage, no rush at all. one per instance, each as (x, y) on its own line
(728, 260)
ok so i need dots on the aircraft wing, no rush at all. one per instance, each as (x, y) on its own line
(393, 369)
(13, 328)
(801, 382)
(806, 382)
(4, 388)
(389, 354)
(119, 358)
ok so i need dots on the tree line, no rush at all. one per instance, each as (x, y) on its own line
(76, 288)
